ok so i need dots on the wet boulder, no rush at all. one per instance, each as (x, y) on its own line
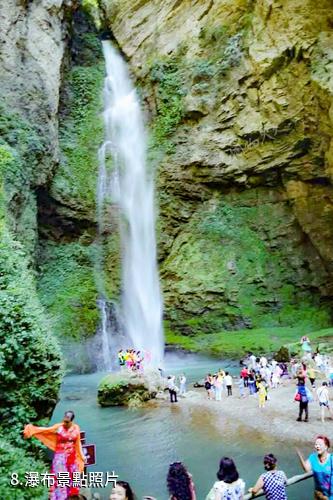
(129, 388)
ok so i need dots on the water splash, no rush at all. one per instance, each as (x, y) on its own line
(131, 189)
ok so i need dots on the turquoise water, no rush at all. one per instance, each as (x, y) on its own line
(140, 444)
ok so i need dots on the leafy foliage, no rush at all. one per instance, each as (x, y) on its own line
(169, 78)
(67, 289)
(282, 355)
(22, 150)
(30, 361)
(27, 146)
(232, 53)
(29, 357)
(176, 75)
(225, 48)
(15, 460)
(81, 131)
(238, 343)
(91, 7)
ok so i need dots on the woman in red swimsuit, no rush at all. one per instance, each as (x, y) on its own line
(64, 440)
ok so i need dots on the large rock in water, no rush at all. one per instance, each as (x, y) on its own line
(128, 388)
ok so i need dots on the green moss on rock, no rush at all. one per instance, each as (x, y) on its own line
(236, 344)
(67, 288)
(230, 268)
(30, 359)
(22, 148)
(81, 130)
(125, 388)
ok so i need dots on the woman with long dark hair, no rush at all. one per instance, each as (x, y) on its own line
(179, 483)
(122, 491)
(229, 485)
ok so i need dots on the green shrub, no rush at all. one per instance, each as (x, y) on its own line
(26, 144)
(29, 358)
(23, 149)
(212, 35)
(67, 289)
(231, 54)
(81, 131)
(168, 76)
(15, 461)
(282, 355)
(202, 69)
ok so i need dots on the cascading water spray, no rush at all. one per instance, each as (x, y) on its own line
(131, 188)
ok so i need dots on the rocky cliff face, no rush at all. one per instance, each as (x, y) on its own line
(239, 95)
(33, 41)
(34, 37)
(238, 100)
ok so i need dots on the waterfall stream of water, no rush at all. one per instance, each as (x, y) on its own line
(130, 187)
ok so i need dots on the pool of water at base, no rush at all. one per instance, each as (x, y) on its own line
(140, 444)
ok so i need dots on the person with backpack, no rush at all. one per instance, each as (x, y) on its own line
(208, 385)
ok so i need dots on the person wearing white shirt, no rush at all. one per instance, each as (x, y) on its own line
(319, 361)
(172, 389)
(263, 361)
(228, 383)
(253, 361)
(182, 384)
(323, 398)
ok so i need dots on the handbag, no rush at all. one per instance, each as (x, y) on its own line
(297, 397)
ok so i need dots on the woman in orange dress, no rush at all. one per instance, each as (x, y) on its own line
(64, 440)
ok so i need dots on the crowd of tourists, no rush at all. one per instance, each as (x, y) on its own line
(229, 485)
(64, 440)
(257, 377)
(133, 360)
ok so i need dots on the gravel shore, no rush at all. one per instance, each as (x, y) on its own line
(277, 419)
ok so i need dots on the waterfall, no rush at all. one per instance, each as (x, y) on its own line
(130, 187)
(105, 334)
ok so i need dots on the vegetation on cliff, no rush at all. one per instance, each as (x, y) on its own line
(28, 352)
(67, 284)
(30, 360)
(227, 344)
(243, 174)
(81, 128)
(68, 290)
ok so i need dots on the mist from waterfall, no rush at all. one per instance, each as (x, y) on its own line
(129, 187)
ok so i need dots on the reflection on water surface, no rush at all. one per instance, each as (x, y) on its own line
(139, 444)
